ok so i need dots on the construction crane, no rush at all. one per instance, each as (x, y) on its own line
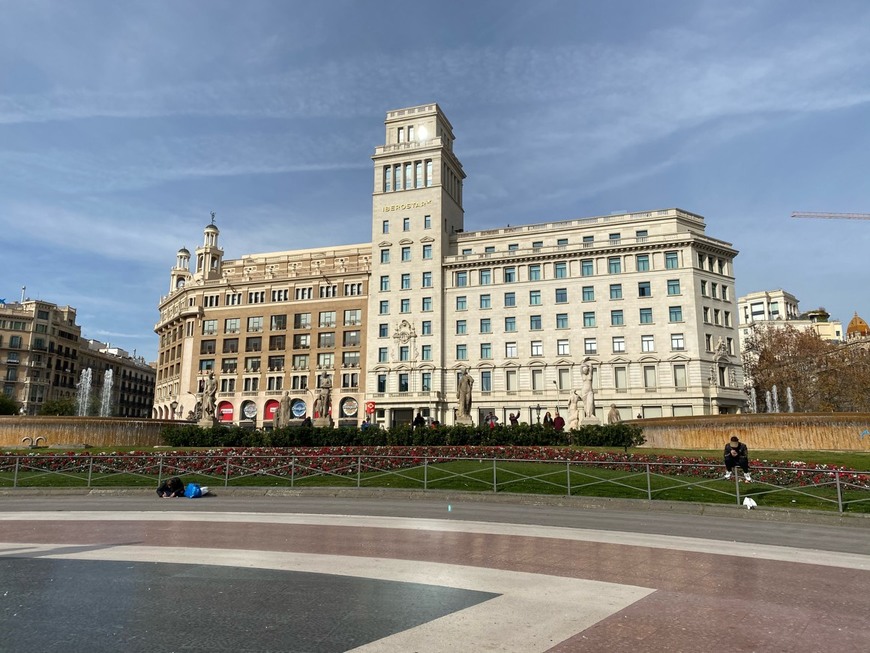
(830, 216)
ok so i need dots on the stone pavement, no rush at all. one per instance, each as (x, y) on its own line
(131, 572)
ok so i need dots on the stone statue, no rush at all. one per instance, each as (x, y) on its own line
(209, 392)
(322, 403)
(613, 416)
(587, 394)
(282, 415)
(574, 411)
(463, 394)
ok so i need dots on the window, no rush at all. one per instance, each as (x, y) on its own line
(461, 327)
(255, 323)
(303, 293)
(589, 318)
(486, 325)
(385, 224)
(703, 288)
(708, 342)
(534, 273)
(427, 219)
(486, 350)
(256, 296)
(351, 339)
(537, 379)
(460, 279)
(426, 352)
(209, 327)
(510, 380)
(642, 262)
(485, 277)
(512, 247)
(727, 319)
(588, 294)
(406, 281)
(382, 383)
(383, 307)
(205, 365)
(352, 317)
(641, 234)
(385, 256)
(300, 361)
(561, 295)
(563, 348)
(510, 324)
(535, 297)
(614, 265)
(427, 280)
(489, 249)
(350, 380)
(326, 340)
(302, 320)
(326, 359)
(616, 291)
(426, 327)
(210, 301)
(251, 385)
(327, 318)
(403, 382)
(561, 320)
(427, 252)
(510, 275)
(486, 381)
(205, 347)
(231, 345)
(278, 322)
(616, 318)
(706, 314)
(404, 353)
(620, 378)
(673, 286)
(230, 365)
(613, 238)
(406, 253)
(618, 344)
(461, 352)
(462, 303)
(254, 344)
(537, 244)
(328, 291)
(406, 224)
(560, 270)
(562, 242)
(383, 355)
(586, 267)
(643, 289)
(385, 283)
(677, 342)
(405, 306)
(649, 376)
(276, 363)
(485, 301)
(714, 287)
(680, 376)
(535, 323)
(647, 343)
(537, 348)
(252, 364)
(646, 316)
(716, 315)
(671, 260)
(234, 299)
(426, 304)
(510, 350)
(510, 299)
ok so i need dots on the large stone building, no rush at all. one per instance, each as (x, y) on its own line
(42, 356)
(779, 308)
(646, 298)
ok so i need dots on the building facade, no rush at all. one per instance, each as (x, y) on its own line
(42, 356)
(778, 308)
(647, 299)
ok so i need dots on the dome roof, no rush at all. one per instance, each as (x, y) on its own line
(857, 327)
(212, 227)
(184, 251)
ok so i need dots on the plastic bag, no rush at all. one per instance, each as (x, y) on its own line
(193, 491)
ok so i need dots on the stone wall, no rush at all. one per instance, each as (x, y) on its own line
(779, 431)
(76, 431)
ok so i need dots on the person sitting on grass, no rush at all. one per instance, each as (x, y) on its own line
(171, 487)
(736, 455)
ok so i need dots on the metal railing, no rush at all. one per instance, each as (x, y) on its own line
(625, 479)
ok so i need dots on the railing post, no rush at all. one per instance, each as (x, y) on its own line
(648, 484)
(293, 471)
(358, 471)
(160, 471)
(737, 486)
(494, 476)
(839, 492)
(568, 475)
(90, 468)
(227, 472)
(15, 476)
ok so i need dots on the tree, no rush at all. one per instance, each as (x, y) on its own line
(823, 376)
(58, 407)
(8, 406)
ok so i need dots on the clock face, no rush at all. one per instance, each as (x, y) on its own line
(250, 410)
(179, 283)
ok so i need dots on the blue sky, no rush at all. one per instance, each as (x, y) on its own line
(123, 124)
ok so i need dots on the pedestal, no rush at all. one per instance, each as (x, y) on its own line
(464, 419)
(590, 421)
(322, 422)
(207, 422)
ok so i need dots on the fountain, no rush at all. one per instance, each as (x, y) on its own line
(775, 406)
(753, 402)
(768, 403)
(83, 396)
(789, 399)
(106, 395)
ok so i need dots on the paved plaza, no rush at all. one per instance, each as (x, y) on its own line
(131, 572)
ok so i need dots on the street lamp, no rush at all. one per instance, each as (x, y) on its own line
(537, 410)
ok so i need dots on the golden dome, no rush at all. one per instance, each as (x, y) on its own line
(857, 327)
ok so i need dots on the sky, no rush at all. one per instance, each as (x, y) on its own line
(124, 124)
